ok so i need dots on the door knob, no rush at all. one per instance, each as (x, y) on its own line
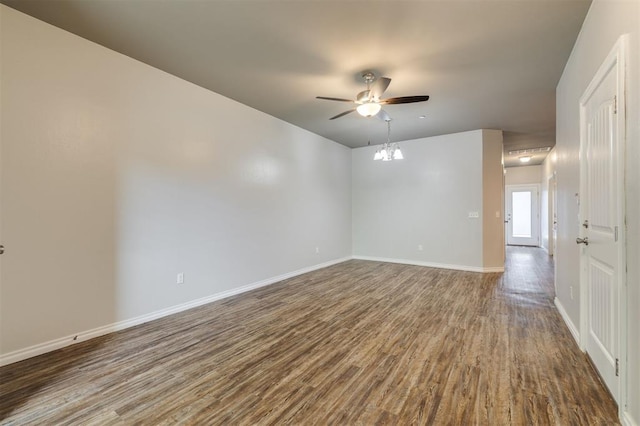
(1, 249)
(584, 241)
(586, 224)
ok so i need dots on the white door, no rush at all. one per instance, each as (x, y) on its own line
(523, 221)
(602, 219)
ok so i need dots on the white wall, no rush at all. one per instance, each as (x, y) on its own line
(116, 176)
(546, 223)
(423, 200)
(605, 22)
(522, 175)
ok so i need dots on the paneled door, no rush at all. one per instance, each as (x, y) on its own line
(602, 231)
(522, 216)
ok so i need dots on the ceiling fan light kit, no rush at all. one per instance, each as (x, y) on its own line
(369, 109)
(369, 103)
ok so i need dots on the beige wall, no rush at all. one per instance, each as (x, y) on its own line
(522, 175)
(117, 176)
(492, 199)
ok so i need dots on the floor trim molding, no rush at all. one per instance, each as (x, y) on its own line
(52, 345)
(433, 264)
(570, 325)
(627, 420)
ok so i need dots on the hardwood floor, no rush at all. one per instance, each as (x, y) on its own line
(356, 343)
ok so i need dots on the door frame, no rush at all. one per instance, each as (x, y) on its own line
(536, 211)
(617, 57)
(552, 213)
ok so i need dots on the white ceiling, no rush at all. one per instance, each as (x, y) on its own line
(485, 64)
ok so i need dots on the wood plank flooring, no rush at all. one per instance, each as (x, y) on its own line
(356, 343)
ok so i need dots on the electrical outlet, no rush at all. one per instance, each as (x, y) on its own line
(180, 278)
(420, 248)
(317, 250)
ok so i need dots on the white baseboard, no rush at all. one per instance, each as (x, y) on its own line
(570, 325)
(433, 265)
(492, 269)
(627, 420)
(82, 336)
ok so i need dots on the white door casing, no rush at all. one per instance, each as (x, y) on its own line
(602, 277)
(523, 225)
(553, 225)
(553, 214)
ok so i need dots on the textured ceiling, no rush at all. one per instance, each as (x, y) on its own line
(485, 64)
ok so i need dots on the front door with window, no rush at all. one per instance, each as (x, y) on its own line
(523, 226)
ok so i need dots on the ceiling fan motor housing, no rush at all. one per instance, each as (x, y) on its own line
(369, 77)
(369, 102)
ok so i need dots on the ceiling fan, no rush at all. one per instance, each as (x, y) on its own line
(368, 101)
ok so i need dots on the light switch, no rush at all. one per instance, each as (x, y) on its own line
(474, 215)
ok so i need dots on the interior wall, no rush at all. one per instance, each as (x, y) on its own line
(492, 199)
(604, 24)
(418, 210)
(523, 175)
(117, 176)
(546, 223)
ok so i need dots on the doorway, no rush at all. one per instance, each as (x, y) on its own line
(522, 215)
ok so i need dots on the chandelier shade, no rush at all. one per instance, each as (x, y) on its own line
(389, 151)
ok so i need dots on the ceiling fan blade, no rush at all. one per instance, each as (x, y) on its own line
(404, 100)
(342, 113)
(379, 86)
(382, 115)
(363, 96)
(334, 99)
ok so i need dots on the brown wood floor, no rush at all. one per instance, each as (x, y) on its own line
(356, 343)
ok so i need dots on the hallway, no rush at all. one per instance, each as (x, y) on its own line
(529, 272)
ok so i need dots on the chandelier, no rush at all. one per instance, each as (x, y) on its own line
(389, 151)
